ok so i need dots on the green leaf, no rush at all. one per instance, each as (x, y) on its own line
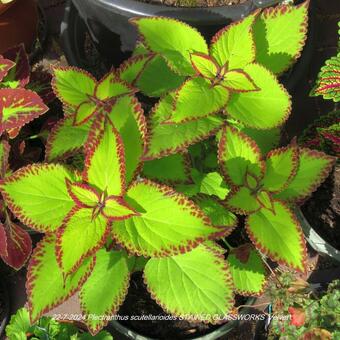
(65, 139)
(105, 289)
(213, 184)
(238, 155)
(103, 335)
(166, 139)
(5, 66)
(239, 81)
(90, 233)
(18, 107)
(111, 86)
(249, 274)
(197, 98)
(173, 39)
(115, 208)
(84, 112)
(278, 235)
(131, 69)
(128, 118)
(171, 169)
(242, 201)
(105, 162)
(313, 169)
(234, 44)
(264, 109)
(82, 194)
(38, 196)
(73, 86)
(44, 275)
(281, 167)
(196, 284)
(169, 223)
(280, 33)
(204, 65)
(218, 214)
(18, 325)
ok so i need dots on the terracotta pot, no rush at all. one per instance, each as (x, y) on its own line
(18, 24)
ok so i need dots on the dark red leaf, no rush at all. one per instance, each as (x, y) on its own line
(5, 66)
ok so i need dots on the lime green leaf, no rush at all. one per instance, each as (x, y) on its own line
(105, 162)
(204, 65)
(171, 169)
(197, 98)
(281, 167)
(195, 284)
(90, 233)
(173, 39)
(242, 201)
(238, 154)
(219, 215)
(278, 235)
(82, 194)
(128, 118)
(84, 112)
(166, 139)
(313, 169)
(280, 33)
(234, 44)
(18, 325)
(105, 289)
(65, 139)
(265, 200)
(213, 184)
(73, 86)
(247, 270)
(239, 81)
(111, 86)
(44, 275)
(264, 109)
(115, 208)
(38, 196)
(168, 224)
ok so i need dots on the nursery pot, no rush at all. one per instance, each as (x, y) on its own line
(18, 24)
(4, 312)
(216, 334)
(106, 21)
(315, 240)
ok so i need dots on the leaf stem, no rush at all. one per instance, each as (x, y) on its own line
(227, 244)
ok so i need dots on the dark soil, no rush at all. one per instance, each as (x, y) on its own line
(322, 210)
(195, 3)
(3, 308)
(139, 302)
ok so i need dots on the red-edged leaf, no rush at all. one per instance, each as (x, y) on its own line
(88, 231)
(84, 112)
(18, 245)
(5, 66)
(4, 153)
(239, 81)
(21, 71)
(105, 162)
(83, 195)
(242, 201)
(204, 65)
(18, 107)
(115, 208)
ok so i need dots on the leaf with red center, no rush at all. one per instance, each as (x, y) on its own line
(72, 85)
(281, 167)
(82, 194)
(234, 44)
(204, 65)
(115, 208)
(15, 246)
(239, 155)
(84, 112)
(4, 153)
(168, 222)
(239, 81)
(46, 285)
(197, 98)
(298, 316)
(242, 201)
(278, 235)
(5, 66)
(247, 270)
(105, 162)
(90, 233)
(18, 107)
(313, 169)
(111, 86)
(20, 74)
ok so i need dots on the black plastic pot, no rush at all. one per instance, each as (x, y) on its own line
(5, 317)
(106, 21)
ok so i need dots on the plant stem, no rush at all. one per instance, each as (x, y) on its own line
(227, 244)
